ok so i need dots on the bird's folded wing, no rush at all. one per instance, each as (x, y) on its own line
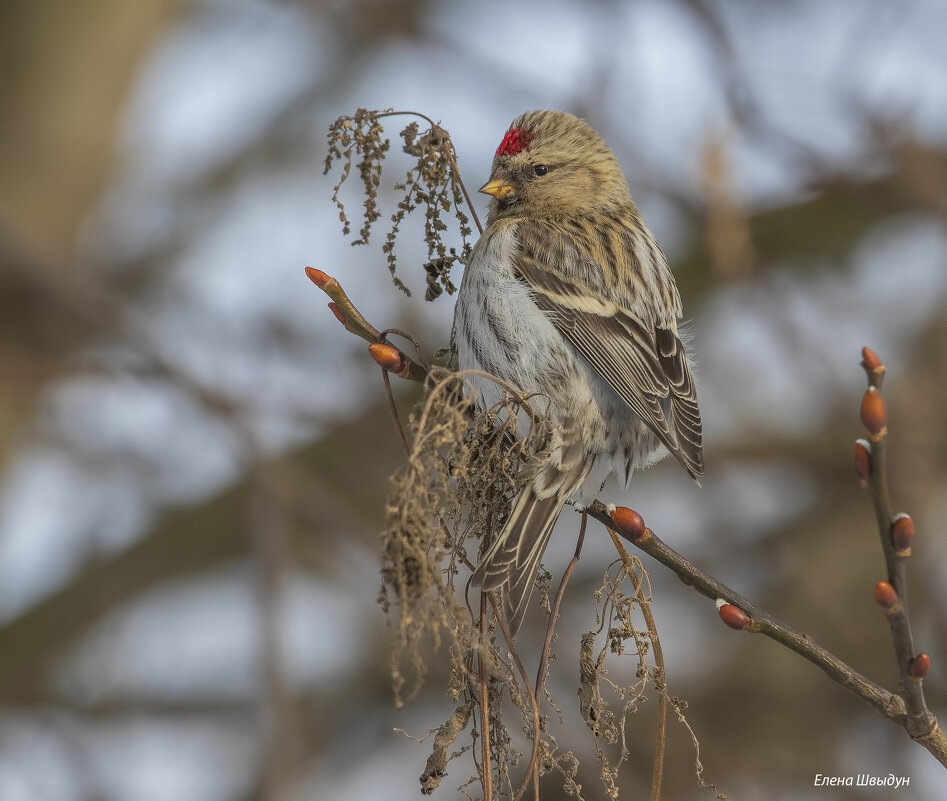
(645, 365)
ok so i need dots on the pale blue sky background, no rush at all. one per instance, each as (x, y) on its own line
(233, 74)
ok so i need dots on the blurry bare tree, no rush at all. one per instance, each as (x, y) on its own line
(183, 446)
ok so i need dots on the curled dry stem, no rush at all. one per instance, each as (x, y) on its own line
(449, 153)
(535, 692)
(632, 567)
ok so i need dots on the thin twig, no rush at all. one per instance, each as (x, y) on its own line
(920, 722)
(532, 772)
(393, 408)
(556, 604)
(890, 705)
(495, 605)
(533, 700)
(660, 744)
(487, 770)
(353, 321)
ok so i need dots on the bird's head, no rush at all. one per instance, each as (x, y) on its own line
(551, 165)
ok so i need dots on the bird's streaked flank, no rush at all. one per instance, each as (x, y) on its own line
(568, 298)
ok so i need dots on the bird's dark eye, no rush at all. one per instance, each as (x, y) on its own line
(540, 169)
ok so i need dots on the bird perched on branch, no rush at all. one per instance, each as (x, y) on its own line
(568, 298)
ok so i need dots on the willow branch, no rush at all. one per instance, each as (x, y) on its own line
(896, 533)
(390, 358)
(908, 711)
(740, 613)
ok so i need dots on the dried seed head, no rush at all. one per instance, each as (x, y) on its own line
(455, 488)
(431, 185)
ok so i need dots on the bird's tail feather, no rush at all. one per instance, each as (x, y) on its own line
(512, 560)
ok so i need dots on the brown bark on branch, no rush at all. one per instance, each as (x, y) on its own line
(897, 533)
(891, 705)
(907, 708)
(391, 358)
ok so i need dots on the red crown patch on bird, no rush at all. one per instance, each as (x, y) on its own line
(516, 140)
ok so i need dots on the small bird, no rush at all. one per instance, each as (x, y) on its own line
(567, 297)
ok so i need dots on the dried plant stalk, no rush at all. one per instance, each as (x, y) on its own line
(433, 184)
(452, 495)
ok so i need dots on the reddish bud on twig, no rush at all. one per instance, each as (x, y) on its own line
(337, 312)
(732, 615)
(920, 666)
(871, 362)
(629, 522)
(873, 414)
(886, 597)
(863, 459)
(318, 277)
(902, 533)
(388, 356)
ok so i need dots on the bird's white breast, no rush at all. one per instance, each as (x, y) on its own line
(499, 328)
(501, 331)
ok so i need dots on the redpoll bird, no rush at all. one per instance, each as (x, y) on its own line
(568, 298)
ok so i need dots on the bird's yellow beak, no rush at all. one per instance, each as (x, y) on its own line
(497, 188)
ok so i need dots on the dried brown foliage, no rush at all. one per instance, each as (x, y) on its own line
(452, 494)
(432, 184)
(448, 502)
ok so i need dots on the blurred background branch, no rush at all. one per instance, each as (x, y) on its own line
(194, 461)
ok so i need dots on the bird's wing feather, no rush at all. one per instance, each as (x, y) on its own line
(642, 361)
